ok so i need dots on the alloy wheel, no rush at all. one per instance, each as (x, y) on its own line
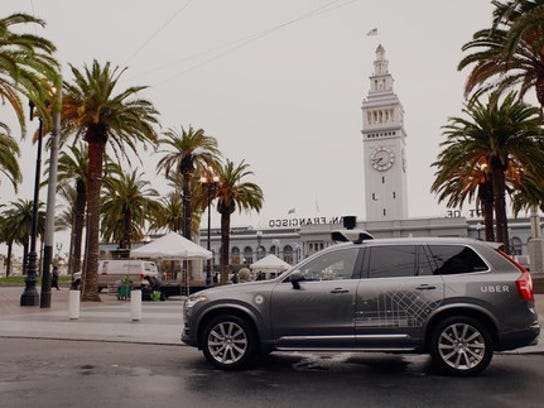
(461, 346)
(227, 342)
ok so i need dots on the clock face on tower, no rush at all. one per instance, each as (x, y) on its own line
(382, 158)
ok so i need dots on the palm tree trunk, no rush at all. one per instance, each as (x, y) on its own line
(127, 222)
(539, 87)
(499, 188)
(71, 260)
(96, 151)
(485, 193)
(187, 210)
(8, 261)
(225, 250)
(25, 255)
(81, 202)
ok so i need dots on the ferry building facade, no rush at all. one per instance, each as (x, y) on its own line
(384, 141)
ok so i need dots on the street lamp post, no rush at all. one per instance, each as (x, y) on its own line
(209, 182)
(259, 248)
(479, 227)
(45, 301)
(276, 243)
(30, 295)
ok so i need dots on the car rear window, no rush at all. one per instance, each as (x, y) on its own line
(456, 259)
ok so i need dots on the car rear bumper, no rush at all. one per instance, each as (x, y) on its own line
(520, 338)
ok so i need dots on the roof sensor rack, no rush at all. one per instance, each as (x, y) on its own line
(352, 235)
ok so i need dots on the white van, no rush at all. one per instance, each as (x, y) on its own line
(112, 271)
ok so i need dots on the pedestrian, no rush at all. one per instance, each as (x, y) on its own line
(55, 278)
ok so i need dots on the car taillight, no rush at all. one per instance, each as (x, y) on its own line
(525, 286)
(525, 282)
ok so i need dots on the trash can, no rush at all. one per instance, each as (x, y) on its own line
(123, 292)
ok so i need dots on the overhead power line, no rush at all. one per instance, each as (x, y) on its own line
(244, 41)
(162, 27)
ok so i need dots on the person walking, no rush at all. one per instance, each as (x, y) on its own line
(55, 278)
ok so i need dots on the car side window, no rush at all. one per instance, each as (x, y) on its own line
(331, 266)
(392, 261)
(456, 259)
(425, 266)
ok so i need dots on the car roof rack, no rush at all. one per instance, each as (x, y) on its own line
(351, 235)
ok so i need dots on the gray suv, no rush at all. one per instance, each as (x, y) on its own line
(455, 298)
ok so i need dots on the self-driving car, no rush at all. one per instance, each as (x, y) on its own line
(457, 299)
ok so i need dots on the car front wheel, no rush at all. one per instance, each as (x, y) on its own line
(462, 346)
(229, 342)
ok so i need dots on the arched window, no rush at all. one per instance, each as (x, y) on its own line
(248, 255)
(235, 256)
(288, 254)
(273, 250)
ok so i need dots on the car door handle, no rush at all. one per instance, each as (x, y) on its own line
(339, 290)
(426, 287)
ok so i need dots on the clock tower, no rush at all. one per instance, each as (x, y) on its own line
(384, 147)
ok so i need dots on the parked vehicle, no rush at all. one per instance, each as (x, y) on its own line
(457, 299)
(111, 272)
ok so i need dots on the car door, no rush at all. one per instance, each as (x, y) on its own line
(320, 312)
(395, 297)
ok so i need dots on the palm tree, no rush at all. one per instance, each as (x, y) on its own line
(185, 150)
(233, 194)
(9, 151)
(18, 225)
(458, 180)
(509, 53)
(128, 204)
(4, 239)
(501, 132)
(171, 214)
(95, 113)
(25, 60)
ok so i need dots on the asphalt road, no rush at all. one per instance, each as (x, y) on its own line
(54, 373)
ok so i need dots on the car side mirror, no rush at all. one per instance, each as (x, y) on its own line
(295, 278)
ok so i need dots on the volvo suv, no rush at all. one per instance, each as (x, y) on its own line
(457, 299)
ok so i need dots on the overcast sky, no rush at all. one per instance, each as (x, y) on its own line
(279, 83)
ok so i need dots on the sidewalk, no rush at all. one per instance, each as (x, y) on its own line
(110, 320)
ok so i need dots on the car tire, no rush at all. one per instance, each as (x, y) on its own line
(229, 342)
(461, 346)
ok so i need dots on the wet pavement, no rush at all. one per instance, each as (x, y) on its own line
(111, 320)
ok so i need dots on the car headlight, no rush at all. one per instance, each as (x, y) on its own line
(193, 300)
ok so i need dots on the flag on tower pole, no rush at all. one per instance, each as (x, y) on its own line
(374, 31)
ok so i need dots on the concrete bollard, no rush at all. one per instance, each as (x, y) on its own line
(73, 305)
(136, 305)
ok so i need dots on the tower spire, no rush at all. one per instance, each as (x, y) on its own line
(381, 65)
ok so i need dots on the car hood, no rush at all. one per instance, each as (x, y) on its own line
(237, 288)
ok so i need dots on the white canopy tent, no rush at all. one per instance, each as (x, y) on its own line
(172, 247)
(270, 266)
